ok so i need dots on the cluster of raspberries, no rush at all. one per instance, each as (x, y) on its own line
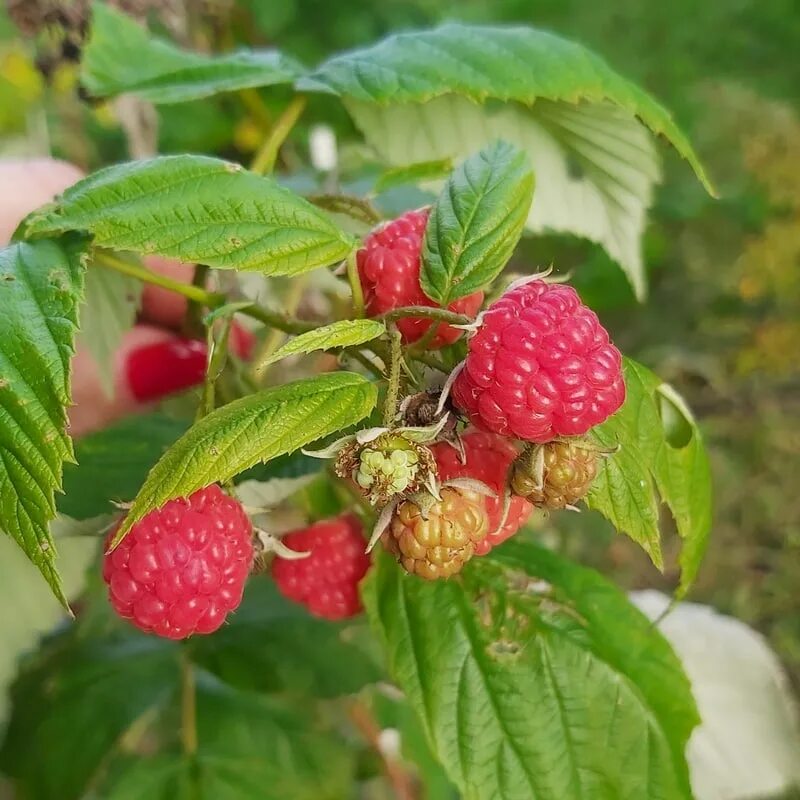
(539, 373)
(539, 370)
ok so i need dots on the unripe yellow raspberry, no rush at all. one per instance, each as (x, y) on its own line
(556, 474)
(435, 538)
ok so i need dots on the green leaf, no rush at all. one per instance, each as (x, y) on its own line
(272, 645)
(434, 94)
(476, 223)
(35, 610)
(483, 61)
(111, 301)
(40, 289)
(536, 679)
(421, 172)
(345, 333)
(124, 689)
(197, 209)
(113, 463)
(296, 465)
(99, 688)
(163, 777)
(256, 428)
(249, 747)
(661, 455)
(253, 746)
(122, 57)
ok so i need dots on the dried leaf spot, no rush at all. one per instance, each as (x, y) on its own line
(231, 167)
(483, 608)
(59, 280)
(235, 241)
(504, 649)
(4, 383)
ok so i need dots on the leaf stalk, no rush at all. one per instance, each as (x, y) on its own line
(267, 155)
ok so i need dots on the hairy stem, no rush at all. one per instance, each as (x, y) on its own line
(212, 300)
(196, 294)
(354, 207)
(193, 324)
(439, 314)
(217, 356)
(395, 366)
(281, 322)
(264, 161)
(355, 285)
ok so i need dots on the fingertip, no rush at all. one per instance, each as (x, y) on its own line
(26, 184)
(162, 306)
(93, 408)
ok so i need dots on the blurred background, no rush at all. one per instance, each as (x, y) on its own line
(722, 322)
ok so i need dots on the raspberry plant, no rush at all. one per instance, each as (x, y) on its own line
(512, 672)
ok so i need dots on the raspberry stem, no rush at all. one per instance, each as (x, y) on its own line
(193, 324)
(264, 161)
(395, 362)
(199, 295)
(355, 286)
(188, 703)
(355, 207)
(217, 356)
(440, 314)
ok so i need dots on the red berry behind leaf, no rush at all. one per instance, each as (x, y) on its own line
(389, 267)
(488, 459)
(160, 369)
(540, 366)
(326, 582)
(242, 341)
(183, 567)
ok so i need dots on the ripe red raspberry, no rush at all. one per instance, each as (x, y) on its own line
(435, 538)
(540, 366)
(183, 567)
(326, 582)
(488, 459)
(389, 265)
